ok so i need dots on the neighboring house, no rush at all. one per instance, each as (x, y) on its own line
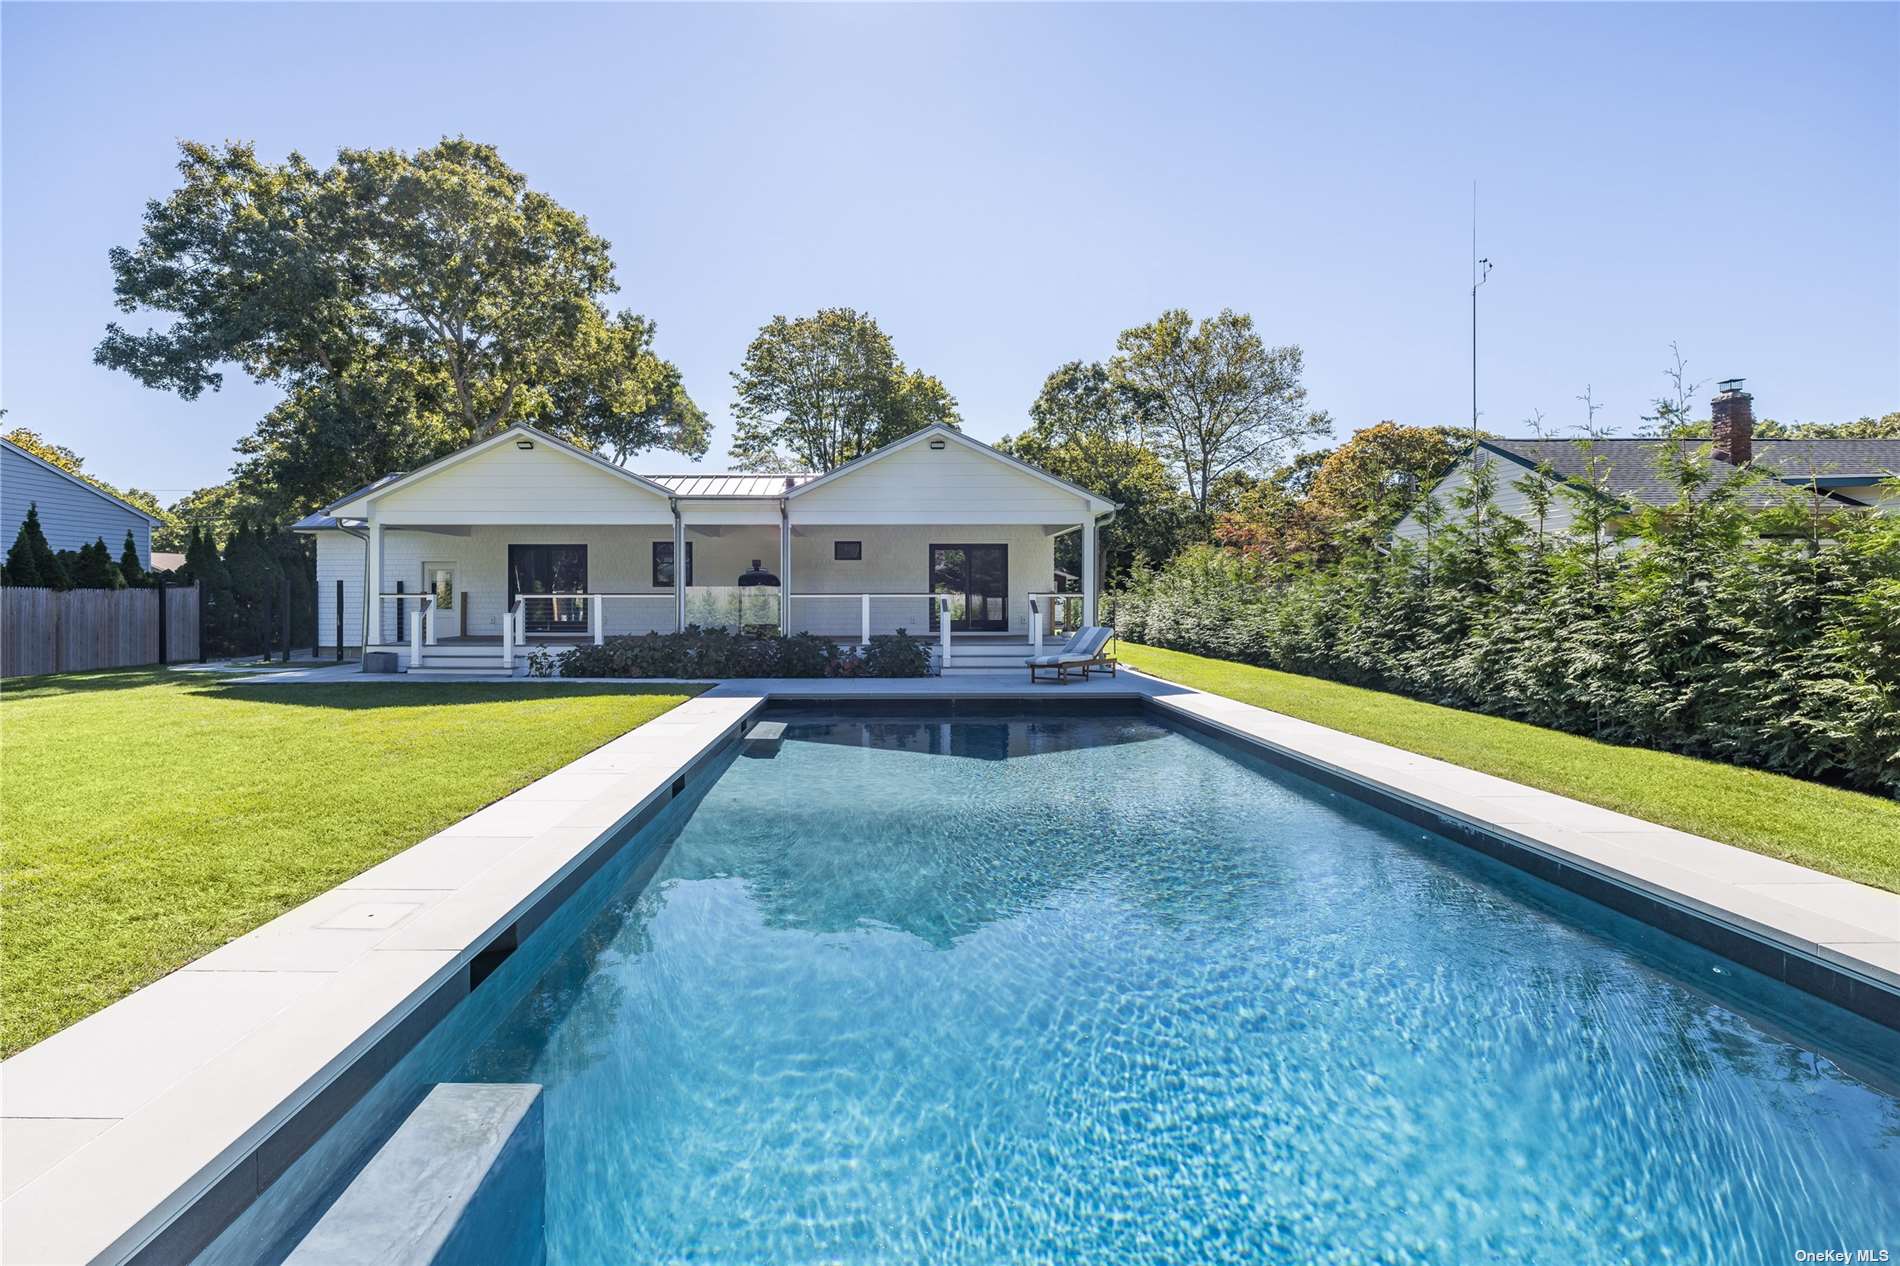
(73, 512)
(522, 538)
(1843, 474)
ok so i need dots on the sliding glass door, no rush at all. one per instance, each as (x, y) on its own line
(550, 569)
(976, 580)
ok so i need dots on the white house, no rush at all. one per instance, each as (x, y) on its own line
(522, 540)
(73, 513)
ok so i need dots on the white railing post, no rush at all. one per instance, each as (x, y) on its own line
(415, 637)
(600, 630)
(521, 620)
(864, 619)
(943, 631)
(1035, 626)
(428, 613)
(508, 641)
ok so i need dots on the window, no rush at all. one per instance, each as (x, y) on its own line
(663, 564)
(847, 551)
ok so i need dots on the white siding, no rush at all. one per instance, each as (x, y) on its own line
(620, 560)
(897, 560)
(72, 512)
(920, 484)
(1505, 497)
(505, 484)
(339, 557)
(1881, 496)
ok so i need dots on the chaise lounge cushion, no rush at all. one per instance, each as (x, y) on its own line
(1084, 648)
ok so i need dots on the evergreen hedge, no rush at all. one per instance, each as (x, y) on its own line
(1768, 638)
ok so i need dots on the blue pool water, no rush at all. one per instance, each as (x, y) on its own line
(1091, 990)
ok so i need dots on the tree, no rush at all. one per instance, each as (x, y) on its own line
(1332, 501)
(817, 391)
(216, 510)
(96, 569)
(427, 299)
(1081, 430)
(1216, 398)
(31, 560)
(22, 566)
(129, 566)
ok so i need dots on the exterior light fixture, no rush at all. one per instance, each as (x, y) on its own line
(937, 444)
(524, 445)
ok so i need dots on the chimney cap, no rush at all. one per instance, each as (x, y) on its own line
(1729, 385)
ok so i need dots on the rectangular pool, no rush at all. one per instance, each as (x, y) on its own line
(1089, 988)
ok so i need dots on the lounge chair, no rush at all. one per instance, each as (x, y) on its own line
(1087, 651)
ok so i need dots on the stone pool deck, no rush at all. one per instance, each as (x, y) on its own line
(138, 1132)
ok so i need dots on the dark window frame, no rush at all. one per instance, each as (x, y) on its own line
(549, 619)
(666, 548)
(856, 554)
(930, 572)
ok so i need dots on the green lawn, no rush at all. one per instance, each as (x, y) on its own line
(149, 817)
(1842, 832)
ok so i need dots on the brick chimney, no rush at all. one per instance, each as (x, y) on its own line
(1734, 412)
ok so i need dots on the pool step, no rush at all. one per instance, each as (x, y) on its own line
(463, 1179)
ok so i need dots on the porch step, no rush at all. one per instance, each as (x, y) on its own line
(487, 666)
(987, 657)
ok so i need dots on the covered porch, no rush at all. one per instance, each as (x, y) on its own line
(446, 595)
(524, 541)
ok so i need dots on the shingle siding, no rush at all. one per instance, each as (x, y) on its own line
(72, 512)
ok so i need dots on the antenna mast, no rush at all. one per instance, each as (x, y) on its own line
(1480, 272)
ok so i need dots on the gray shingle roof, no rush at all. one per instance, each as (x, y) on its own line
(1628, 466)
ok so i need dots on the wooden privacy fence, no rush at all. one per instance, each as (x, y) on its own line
(45, 631)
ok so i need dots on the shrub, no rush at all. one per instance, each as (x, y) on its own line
(129, 565)
(1763, 639)
(717, 653)
(31, 561)
(94, 568)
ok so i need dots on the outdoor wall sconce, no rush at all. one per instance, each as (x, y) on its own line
(524, 445)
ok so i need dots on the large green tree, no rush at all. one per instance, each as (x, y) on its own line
(1214, 398)
(816, 391)
(406, 304)
(1331, 502)
(1083, 429)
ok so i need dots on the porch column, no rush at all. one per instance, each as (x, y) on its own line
(679, 569)
(373, 584)
(1088, 572)
(784, 569)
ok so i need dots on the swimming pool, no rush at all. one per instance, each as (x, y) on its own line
(1089, 988)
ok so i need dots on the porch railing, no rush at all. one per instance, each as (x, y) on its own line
(844, 614)
(1053, 614)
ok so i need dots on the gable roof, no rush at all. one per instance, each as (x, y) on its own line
(80, 481)
(390, 483)
(938, 430)
(735, 484)
(1628, 466)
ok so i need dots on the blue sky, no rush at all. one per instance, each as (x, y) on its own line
(1005, 188)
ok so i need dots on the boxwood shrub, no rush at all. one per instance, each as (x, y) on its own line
(714, 653)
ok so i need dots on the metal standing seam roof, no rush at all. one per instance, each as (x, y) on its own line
(716, 484)
(731, 484)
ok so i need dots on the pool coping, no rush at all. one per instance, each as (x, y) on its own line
(247, 1055)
